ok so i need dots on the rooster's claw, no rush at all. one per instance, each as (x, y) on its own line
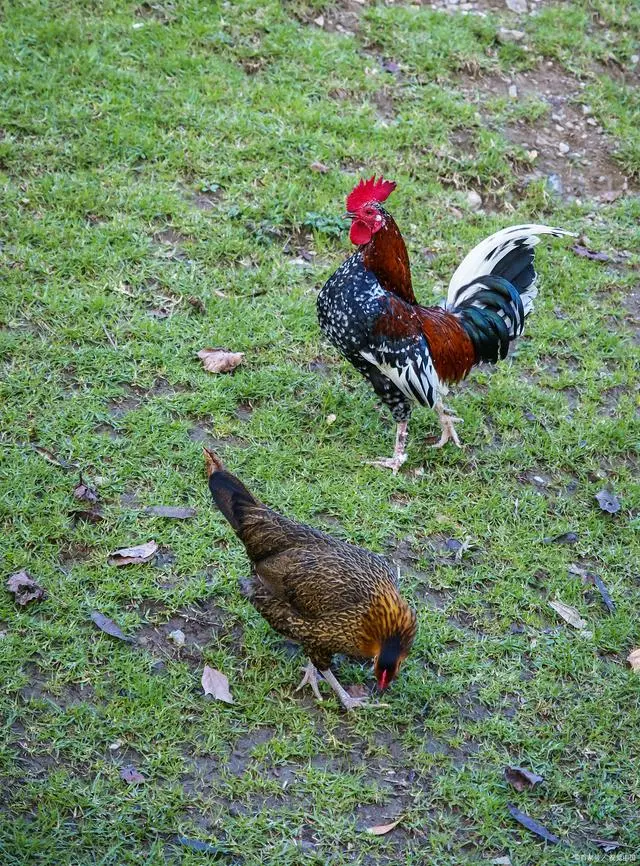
(393, 463)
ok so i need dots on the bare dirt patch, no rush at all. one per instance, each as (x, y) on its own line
(567, 147)
(198, 625)
(337, 17)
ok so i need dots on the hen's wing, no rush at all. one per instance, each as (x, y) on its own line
(320, 579)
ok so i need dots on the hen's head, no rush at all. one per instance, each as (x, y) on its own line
(363, 208)
(393, 649)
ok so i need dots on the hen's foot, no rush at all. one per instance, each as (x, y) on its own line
(344, 697)
(310, 678)
(393, 463)
(448, 430)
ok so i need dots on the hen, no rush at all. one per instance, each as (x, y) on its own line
(325, 594)
(408, 352)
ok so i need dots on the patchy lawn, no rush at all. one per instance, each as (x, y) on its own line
(159, 196)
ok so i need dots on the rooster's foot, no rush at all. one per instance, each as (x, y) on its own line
(394, 463)
(310, 678)
(448, 430)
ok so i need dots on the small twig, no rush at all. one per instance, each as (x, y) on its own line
(110, 338)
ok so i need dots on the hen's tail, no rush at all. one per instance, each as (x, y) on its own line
(493, 289)
(229, 494)
(263, 532)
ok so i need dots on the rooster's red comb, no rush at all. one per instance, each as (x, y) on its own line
(369, 190)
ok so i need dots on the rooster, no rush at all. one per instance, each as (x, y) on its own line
(410, 353)
(325, 594)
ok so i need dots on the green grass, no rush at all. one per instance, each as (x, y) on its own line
(109, 132)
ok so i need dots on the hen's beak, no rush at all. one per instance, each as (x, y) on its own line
(383, 680)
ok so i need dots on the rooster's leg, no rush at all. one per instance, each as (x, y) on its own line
(448, 430)
(399, 453)
(310, 678)
(344, 697)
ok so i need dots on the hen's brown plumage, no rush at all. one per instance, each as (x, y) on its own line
(327, 595)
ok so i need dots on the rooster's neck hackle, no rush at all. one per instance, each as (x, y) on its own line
(387, 257)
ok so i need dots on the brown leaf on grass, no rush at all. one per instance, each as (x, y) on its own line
(215, 683)
(220, 360)
(565, 538)
(586, 253)
(131, 775)
(88, 515)
(175, 512)
(608, 501)
(108, 626)
(607, 845)
(532, 825)
(50, 457)
(24, 588)
(197, 304)
(569, 614)
(319, 167)
(597, 581)
(383, 829)
(133, 555)
(85, 493)
(634, 660)
(521, 779)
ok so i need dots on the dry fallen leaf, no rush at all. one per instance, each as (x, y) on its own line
(24, 587)
(607, 845)
(85, 493)
(133, 555)
(593, 255)
(220, 360)
(50, 457)
(108, 626)
(565, 538)
(608, 501)
(532, 825)
(319, 167)
(88, 515)
(383, 829)
(634, 660)
(521, 779)
(131, 775)
(597, 581)
(215, 683)
(569, 614)
(197, 304)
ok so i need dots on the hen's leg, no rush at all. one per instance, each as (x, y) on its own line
(310, 678)
(446, 423)
(345, 699)
(399, 452)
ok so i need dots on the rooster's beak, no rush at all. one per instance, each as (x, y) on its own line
(348, 216)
